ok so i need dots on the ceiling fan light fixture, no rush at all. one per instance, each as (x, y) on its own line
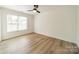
(34, 11)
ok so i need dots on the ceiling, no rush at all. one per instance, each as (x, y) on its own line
(22, 8)
(42, 8)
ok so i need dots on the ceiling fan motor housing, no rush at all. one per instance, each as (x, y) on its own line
(36, 6)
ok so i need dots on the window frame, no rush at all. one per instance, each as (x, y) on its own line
(18, 24)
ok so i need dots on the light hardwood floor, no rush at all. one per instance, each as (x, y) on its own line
(36, 44)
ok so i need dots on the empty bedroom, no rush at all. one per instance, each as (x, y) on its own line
(39, 29)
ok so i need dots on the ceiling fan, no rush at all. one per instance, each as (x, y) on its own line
(35, 9)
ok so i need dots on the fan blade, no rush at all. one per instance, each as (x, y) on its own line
(38, 11)
(30, 10)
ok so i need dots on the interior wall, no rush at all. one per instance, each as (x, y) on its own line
(60, 23)
(30, 24)
(77, 25)
(0, 25)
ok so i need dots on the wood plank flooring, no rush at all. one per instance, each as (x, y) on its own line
(37, 44)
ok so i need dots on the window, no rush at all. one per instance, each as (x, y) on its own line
(11, 23)
(22, 22)
(16, 23)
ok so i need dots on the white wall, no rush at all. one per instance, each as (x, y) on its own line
(0, 25)
(77, 25)
(6, 35)
(58, 22)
